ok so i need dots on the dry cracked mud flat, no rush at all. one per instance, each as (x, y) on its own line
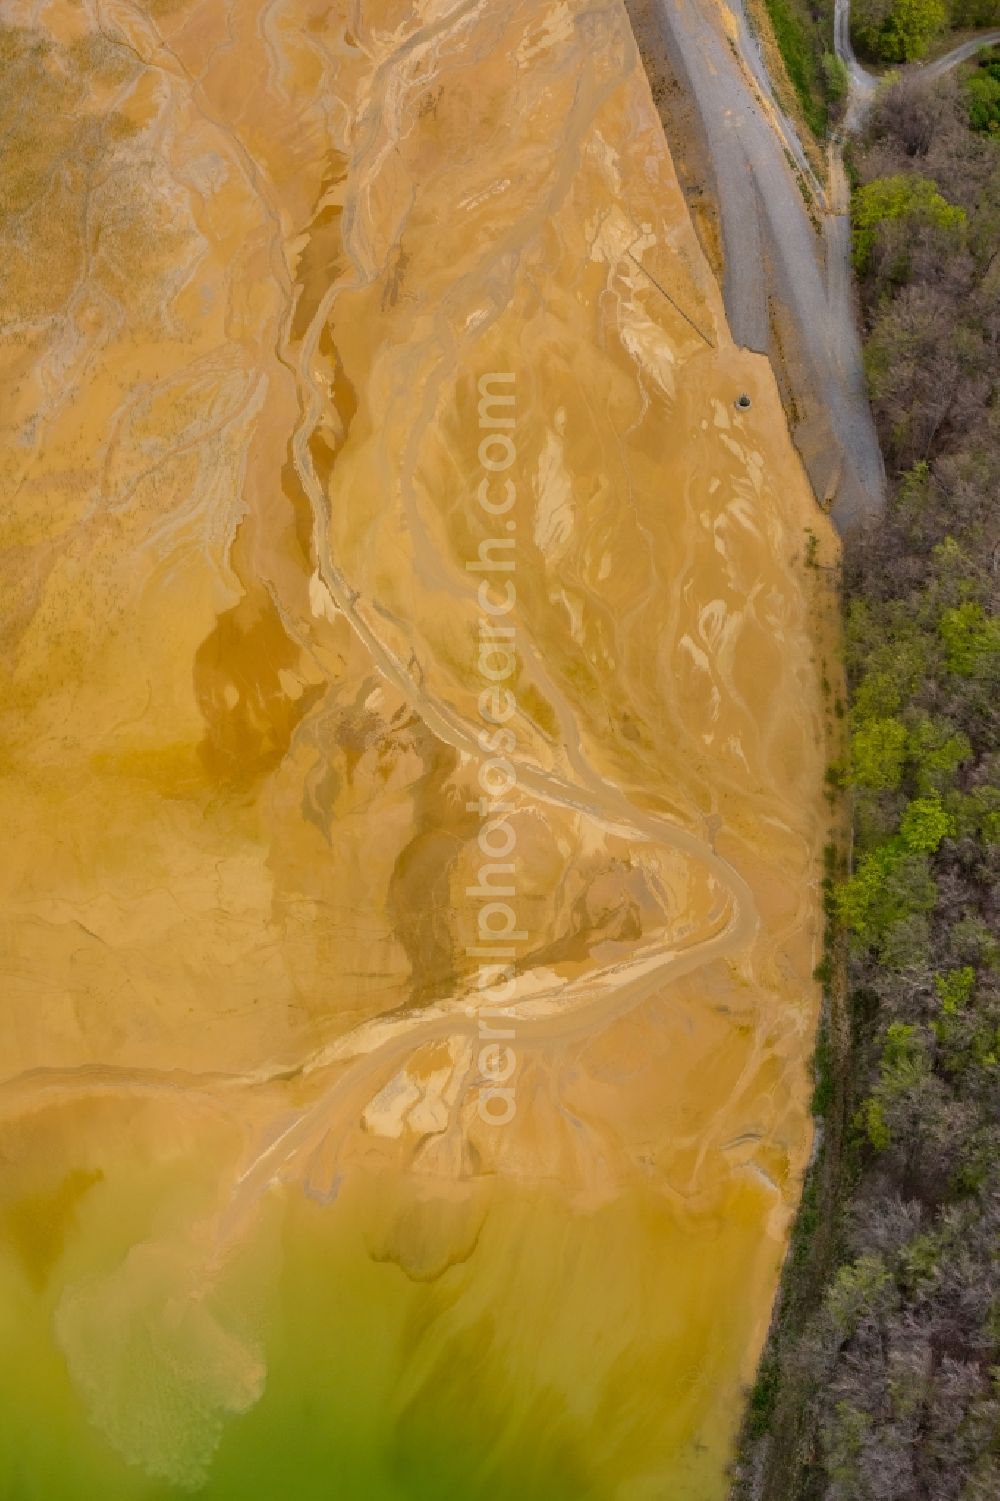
(412, 766)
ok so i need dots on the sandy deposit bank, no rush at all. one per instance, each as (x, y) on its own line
(379, 512)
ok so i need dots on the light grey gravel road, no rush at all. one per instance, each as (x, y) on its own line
(861, 83)
(788, 290)
(960, 54)
(774, 261)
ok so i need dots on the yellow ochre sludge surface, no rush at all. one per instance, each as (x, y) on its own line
(411, 778)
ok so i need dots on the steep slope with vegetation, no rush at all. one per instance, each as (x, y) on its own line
(882, 1381)
(803, 30)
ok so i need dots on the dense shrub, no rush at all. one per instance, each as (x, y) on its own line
(902, 31)
(983, 92)
(803, 30)
(897, 31)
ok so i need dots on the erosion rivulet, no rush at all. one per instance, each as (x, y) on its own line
(257, 263)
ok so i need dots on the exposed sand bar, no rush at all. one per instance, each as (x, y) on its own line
(266, 269)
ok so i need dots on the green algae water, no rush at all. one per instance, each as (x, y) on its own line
(400, 1343)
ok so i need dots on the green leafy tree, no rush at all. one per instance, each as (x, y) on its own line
(955, 988)
(902, 197)
(890, 886)
(924, 824)
(835, 77)
(876, 1125)
(970, 638)
(935, 750)
(878, 749)
(984, 102)
(976, 813)
(856, 1288)
(897, 31)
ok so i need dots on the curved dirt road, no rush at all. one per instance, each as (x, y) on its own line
(959, 54)
(862, 84)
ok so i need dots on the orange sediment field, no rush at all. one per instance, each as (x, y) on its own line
(317, 317)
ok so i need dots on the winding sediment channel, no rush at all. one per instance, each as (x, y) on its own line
(283, 245)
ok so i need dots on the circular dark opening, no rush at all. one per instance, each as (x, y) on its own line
(743, 401)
